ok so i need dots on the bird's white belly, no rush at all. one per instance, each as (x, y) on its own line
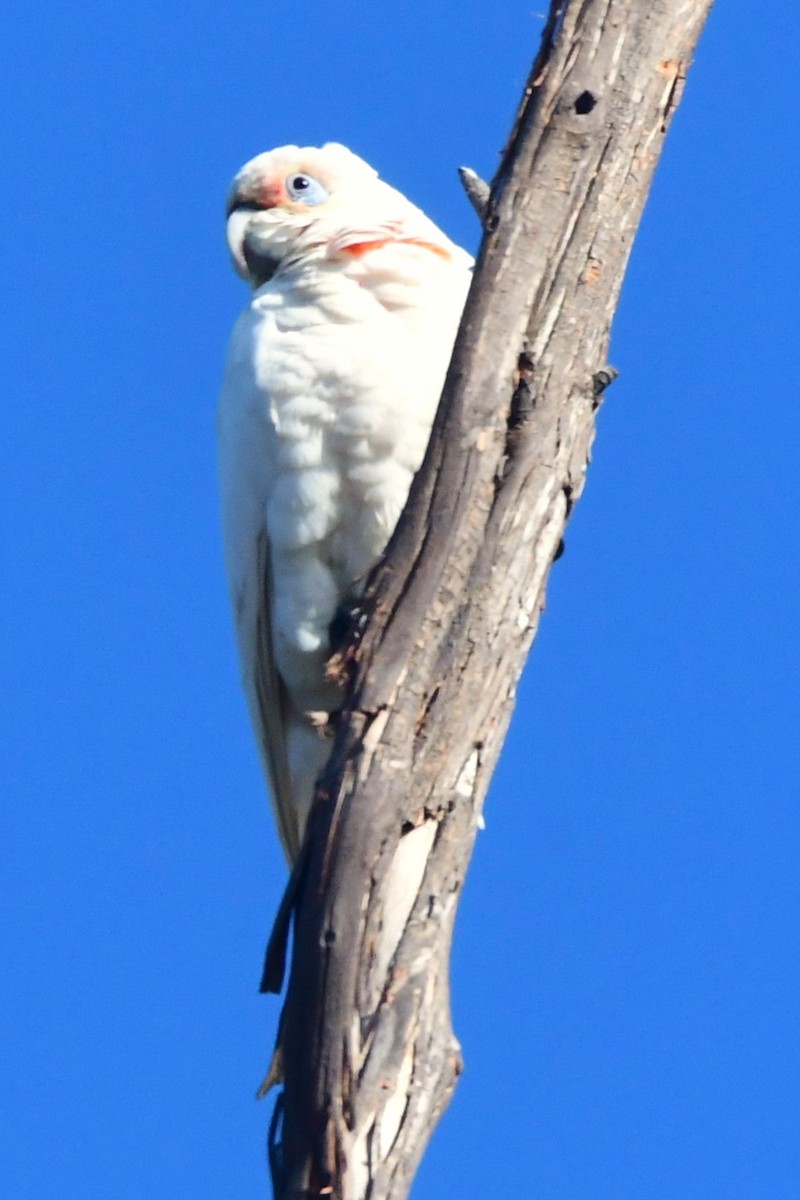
(344, 450)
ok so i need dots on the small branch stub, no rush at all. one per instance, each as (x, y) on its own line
(477, 189)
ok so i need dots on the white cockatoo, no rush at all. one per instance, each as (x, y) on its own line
(333, 375)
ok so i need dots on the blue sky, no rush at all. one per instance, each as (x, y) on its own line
(626, 970)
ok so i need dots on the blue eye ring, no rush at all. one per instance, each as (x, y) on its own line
(304, 189)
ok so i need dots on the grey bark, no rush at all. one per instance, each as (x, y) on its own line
(366, 1050)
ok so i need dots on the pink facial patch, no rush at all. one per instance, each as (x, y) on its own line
(271, 193)
(357, 249)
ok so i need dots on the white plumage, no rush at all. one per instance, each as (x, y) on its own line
(333, 375)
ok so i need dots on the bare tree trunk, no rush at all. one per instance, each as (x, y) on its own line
(366, 1048)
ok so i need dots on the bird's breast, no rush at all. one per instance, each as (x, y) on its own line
(330, 411)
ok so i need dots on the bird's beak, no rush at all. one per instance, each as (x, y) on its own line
(235, 230)
(253, 265)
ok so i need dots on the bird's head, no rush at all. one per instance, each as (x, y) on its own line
(280, 198)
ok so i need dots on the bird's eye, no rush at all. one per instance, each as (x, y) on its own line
(306, 190)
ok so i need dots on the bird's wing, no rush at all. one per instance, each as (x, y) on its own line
(273, 709)
(246, 465)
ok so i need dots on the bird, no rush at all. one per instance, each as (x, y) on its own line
(332, 378)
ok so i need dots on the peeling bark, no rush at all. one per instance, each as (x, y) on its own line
(366, 1049)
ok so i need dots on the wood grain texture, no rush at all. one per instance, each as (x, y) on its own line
(368, 1055)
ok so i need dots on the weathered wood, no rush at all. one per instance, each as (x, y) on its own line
(438, 644)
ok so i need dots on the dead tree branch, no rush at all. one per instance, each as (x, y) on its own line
(368, 1056)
